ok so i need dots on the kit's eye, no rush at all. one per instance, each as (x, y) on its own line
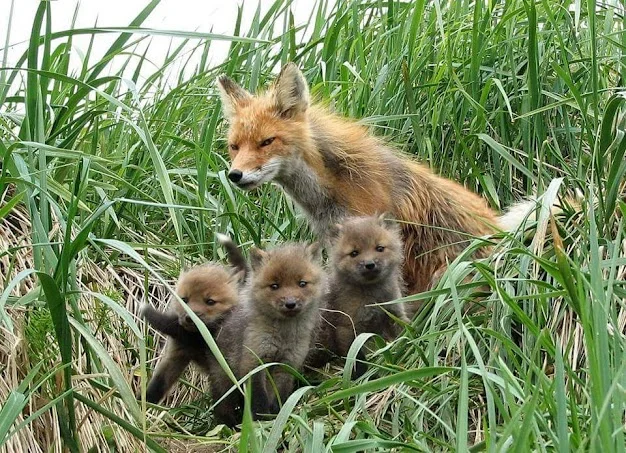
(209, 302)
(234, 147)
(274, 286)
(267, 141)
(380, 248)
(354, 253)
(302, 283)
(185, 299)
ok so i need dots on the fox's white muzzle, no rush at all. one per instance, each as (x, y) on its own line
(248, 180)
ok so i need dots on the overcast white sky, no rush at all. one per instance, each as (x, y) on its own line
(217, 16)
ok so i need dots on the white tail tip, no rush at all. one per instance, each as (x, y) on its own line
(518, 214)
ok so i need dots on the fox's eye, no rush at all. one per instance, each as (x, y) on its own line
(234, 147)
(302, 283)
(209, 302)
(380, 248)
(267, 141)
(354, 253)
(274, 286)
(185, 299)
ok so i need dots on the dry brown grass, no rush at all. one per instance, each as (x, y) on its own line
(128, 287)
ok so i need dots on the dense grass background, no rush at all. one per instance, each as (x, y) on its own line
(110, 182)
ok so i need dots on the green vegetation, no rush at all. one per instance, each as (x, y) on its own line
(108, 185)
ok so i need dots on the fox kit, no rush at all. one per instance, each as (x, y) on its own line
(211, 292)
(333, 167)
(366, 267)
(277, 322)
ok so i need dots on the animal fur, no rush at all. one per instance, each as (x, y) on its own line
(366, 260)
(333, 167)
(276, 323)
(211, 292)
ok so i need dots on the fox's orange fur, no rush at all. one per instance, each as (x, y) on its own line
(333, 167)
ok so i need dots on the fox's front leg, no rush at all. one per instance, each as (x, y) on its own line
(260, 399)
(344, 336)
(167, 372)
(284, 384)
(164, 322)
(390, 329)
(228, 411)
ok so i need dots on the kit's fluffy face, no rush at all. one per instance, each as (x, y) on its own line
(209, 290)
(286, 281)
(366, 250)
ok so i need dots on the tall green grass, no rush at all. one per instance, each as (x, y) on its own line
(110, 182)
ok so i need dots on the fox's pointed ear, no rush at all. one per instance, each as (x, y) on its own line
(291, 91)
(314, 250)
(334, 231)
(231, 94)
(237, 277)
(386, 222)
(257, 256)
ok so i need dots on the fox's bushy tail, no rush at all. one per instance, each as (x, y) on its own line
(517, 214)
(526, 211)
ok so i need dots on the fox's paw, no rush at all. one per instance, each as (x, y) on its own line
(144, 309)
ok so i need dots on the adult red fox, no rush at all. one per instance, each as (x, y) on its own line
(333, 167)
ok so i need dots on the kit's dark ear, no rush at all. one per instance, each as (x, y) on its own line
(257, 257)
(291, 91)
(314, 250)
(334, 231)
(386, 222)
(232, 95)
(237, 276)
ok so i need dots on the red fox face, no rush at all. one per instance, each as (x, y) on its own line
(265, 130)
(209, 290)
(286, 281)
(367, 250)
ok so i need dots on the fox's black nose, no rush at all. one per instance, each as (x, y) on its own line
(235, 175)
(370, 265)
(290, 304)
